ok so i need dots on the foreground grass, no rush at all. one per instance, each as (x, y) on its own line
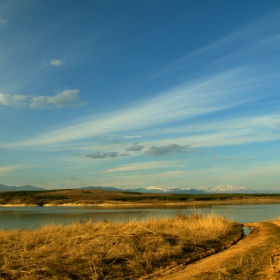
(109, 250)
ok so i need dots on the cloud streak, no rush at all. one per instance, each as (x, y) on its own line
(99, 155)
(135, 148)
(164, 150)
(257, 42)
(5, 169)
(146, 166)
(212, 94)
(242, 76)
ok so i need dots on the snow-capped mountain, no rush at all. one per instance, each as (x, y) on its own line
(205, 190)
(198, 190)
(229, 189)
(152, 188)
(170, 190)
(159, 190)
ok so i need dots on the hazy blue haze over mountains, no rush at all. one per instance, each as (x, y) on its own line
(200, 190)
(21, 188)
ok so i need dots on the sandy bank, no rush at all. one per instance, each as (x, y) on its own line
(113, 204)
(17, 205)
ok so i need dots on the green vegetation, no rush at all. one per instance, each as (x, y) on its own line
(29, 197)
(92, 197)
(193, 197)
(133, 193)
(111, 250)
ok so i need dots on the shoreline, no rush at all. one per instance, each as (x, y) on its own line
(111, 204)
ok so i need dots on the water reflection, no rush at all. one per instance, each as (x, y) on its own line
(247, 230)
(34, 217)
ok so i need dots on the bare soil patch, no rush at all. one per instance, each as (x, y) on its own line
(256, 256)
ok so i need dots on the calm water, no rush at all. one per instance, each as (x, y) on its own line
(34, 217)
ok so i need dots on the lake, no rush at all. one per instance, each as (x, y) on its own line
(34, 217)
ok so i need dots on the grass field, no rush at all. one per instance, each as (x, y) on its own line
(111, 250)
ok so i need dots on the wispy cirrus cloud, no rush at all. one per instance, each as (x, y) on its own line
(209, 95)
(147, 166)
(5, 169)
(257, 42)
(231, 158)
(241, 76)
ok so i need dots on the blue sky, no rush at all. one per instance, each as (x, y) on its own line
(140, 93)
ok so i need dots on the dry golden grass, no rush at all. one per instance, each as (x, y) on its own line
(108, 250)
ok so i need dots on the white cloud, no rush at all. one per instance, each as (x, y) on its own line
(38, 102)
(12, 100)
(56, 62)
(212, 94)
(235, 85)
(66, 98)
(53, 62)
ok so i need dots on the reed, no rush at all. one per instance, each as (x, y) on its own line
(107, 250)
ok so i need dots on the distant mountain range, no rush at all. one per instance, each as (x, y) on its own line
(22, 188)
(207, 189)
(149, 190)
(157, 190)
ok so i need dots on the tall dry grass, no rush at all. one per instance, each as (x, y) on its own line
(106, 250)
